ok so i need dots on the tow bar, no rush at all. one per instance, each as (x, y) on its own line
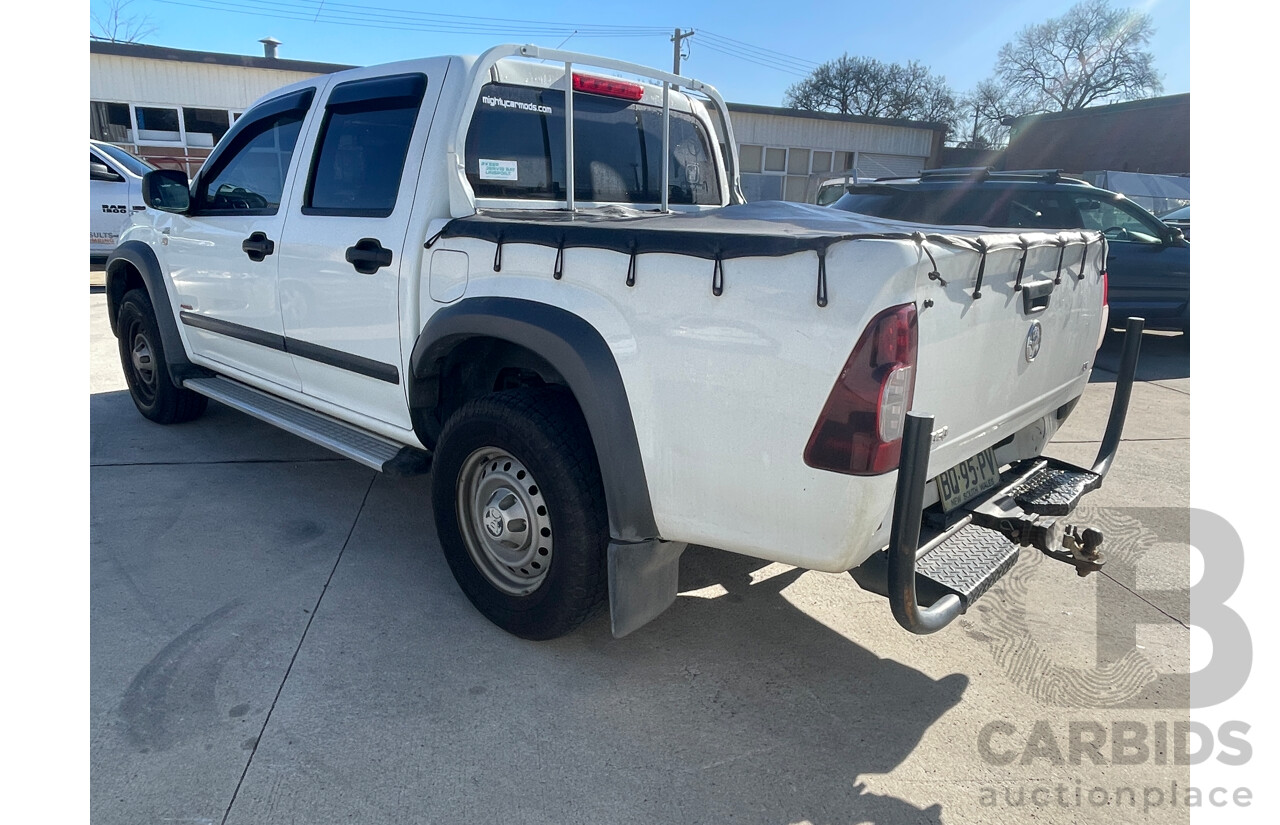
(973, 552)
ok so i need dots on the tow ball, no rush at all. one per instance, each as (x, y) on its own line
(1071, 544)
(1081, 547)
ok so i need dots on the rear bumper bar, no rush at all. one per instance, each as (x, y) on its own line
(904, 540)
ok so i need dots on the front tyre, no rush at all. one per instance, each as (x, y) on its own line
(146, 371)
(520, 510)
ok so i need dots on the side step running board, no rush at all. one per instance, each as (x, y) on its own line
(369, 449)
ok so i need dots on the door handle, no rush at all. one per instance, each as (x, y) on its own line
(258, 246)
(368, 256)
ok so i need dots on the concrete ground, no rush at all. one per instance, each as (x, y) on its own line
(276, 638)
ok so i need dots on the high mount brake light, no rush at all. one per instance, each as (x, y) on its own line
(607, 87)
(860, 429)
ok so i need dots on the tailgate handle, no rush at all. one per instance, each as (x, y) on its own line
(1035, 296)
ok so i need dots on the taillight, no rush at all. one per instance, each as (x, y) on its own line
(1104, 288)
(860, 429)
(607, 87)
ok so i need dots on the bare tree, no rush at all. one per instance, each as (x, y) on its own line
(991, 106)
(870, 87)
(1092, 54)
(117, 26)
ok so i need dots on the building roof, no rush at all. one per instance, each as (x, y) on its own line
(1183, 99)
(751, 108)
(144, 51)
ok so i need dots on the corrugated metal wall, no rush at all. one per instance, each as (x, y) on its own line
(133, 80)
(780, 130)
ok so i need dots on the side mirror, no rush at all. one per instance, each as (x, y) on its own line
(166, 190)
(1175, 236)
(100, 171)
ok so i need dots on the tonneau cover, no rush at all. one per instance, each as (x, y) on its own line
(764, 228)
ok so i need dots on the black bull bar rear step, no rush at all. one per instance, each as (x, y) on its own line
(961, 558)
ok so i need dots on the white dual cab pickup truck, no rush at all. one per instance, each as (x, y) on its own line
(558, 302)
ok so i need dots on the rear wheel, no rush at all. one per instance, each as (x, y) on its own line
(145, 368)
(520, 510)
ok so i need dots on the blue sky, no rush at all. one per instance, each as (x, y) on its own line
(751, 52)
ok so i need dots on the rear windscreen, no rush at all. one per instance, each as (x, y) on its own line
(515, 149)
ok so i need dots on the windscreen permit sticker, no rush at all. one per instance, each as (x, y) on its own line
(498, 170)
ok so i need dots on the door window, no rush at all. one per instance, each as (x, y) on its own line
(247, 177)
(360, 153)
(1119, 220)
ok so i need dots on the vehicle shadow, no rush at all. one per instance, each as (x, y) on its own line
(1164, 356)
(734, 705)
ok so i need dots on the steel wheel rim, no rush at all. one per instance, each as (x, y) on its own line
(504, 520)
(142, 362)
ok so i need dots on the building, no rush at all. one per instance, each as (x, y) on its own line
(1151, 136)
(170, 106)
(784, 153)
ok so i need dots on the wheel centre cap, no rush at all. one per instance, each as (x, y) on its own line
(493, 522)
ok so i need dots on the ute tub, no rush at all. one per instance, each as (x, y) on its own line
(729, 341)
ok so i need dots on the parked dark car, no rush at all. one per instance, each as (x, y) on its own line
(1180, 218)
(1148, 264)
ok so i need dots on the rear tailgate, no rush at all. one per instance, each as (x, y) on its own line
(993, 357)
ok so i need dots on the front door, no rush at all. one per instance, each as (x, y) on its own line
(342, 250)
(224, 253)
(109, 204)
(1146, 276)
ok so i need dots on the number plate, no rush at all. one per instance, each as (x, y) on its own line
(968, 479)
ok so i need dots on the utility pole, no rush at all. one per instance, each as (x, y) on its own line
(677, 39)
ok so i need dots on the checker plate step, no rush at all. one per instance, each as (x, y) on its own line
(969, 562)
(1054, 490)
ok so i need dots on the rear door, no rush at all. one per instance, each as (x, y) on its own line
(343, 246)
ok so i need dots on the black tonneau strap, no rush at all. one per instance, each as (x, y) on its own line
(822, 277)
(982, 268)
(1022, 265)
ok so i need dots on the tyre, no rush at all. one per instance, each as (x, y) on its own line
(145, 368)
(520, 510)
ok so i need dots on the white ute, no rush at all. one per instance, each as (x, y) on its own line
(601, 353)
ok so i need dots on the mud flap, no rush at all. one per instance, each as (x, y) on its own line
(643, 580)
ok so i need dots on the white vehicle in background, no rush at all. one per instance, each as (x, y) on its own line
(832, 187)
(115, 192)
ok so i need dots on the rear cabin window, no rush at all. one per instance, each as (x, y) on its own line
(515, 149)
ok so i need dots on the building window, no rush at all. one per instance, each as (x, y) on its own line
(205, 126)
(156, 124)
(750, 158)
(798, 162)
(775, 160)
(822, 161)
(109, 122)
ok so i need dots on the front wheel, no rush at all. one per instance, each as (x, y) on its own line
(520, 510)
(146, 371)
